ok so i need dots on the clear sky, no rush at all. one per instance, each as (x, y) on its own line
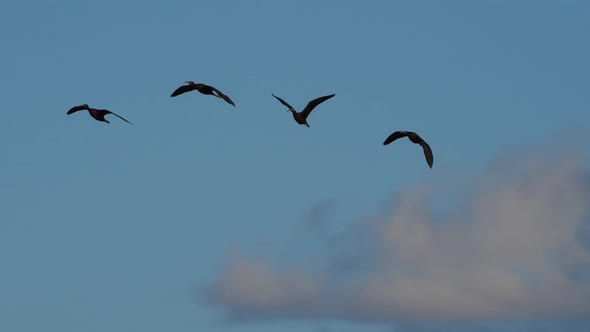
(157, 226)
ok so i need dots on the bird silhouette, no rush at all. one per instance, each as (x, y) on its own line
(202, 88)
(301, 117)
(95, 113)
(416, 139)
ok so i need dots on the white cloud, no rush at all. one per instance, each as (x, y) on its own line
(511, 249)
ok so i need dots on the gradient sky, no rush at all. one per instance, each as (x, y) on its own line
(116, 227)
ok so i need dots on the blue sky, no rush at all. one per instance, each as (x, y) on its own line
(117, 227)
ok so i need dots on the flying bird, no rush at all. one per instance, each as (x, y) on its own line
(301, 117)
(95, 113)
(202, 88)
(416, 139)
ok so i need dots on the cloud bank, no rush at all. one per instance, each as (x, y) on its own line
(515, 246)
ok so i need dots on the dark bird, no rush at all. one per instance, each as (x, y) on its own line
(301, 117)
(95, 113)
(202, 88)
(415, 138)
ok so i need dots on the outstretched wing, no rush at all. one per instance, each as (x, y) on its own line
(115, 114)
(394, 136)
(183, 89)
(77, 108)
(312, 104)
(427, 152)
(283, 102)
(224, 97)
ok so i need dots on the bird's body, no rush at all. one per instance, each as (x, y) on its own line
(414, 138)
(202, 88)
(97, 114)
(301, 117)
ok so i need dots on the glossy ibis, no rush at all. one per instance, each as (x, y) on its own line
(301, 117)
(416, 139)
(95, 113)
(202, 88)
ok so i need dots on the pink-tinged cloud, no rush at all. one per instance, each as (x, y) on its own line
(512, 248)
